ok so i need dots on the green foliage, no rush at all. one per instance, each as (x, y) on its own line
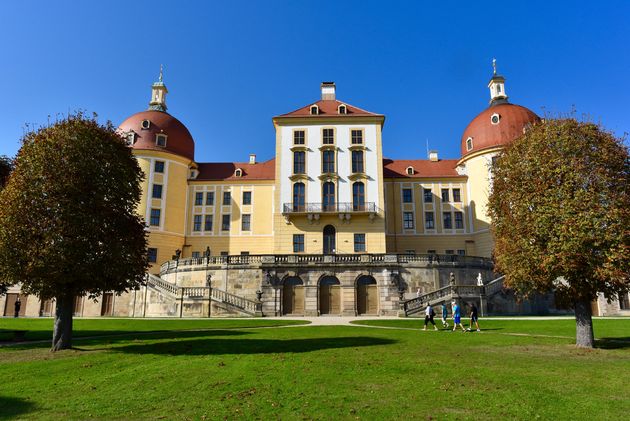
(560, 207)
(6, 166)
(68, 222)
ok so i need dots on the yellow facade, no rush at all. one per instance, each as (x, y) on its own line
(442, 212)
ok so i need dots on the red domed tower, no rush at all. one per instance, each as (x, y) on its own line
(483, 138)
(165, 151)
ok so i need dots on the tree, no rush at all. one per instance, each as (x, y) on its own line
(6, 166)
(68, 222)
(560, 210)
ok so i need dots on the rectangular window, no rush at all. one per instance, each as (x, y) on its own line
(357, 137)
(298, 243)
(157, 191)
(328, 136)
(459, 220)
(155, 217)
(224, 253)
(196, 254)
(159, 166)
(429, 222)
(197, 223)
(357, 161)
(448, 222)
(408, 220)
(445, 195)
(299, 162)
(227, 198)
(208, 224)
(246, 222)
(457, 197)
(198, 199)
(428, 196)
(430, 251)
(247, 198)
(461, 252)
(160, 140)
(152, 255)
(225, 224)
(210, 198)
(410, 251)
(328, 161)
(450, 251)
(359, 243)
(407, 198)
(624, 301)
(299, 137)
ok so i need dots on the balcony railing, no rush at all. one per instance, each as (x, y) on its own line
(342, 207)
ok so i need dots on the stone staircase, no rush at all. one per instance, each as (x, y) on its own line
(203, 294)
(450, 292)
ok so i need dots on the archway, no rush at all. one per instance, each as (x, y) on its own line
(329, 239)
(329, 295)
(367, 295)
(293, 296)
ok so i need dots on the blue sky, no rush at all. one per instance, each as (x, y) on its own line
(231, 66)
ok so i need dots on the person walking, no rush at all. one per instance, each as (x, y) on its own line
(457, 320)
(429, 314)
(17, 306)
(474, 317)
(444, 316)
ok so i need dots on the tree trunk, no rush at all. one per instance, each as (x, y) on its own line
(62, 333)
(583, 324)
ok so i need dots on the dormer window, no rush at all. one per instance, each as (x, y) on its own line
(410, 171)
(145, 124)
(160, 140)
(314, 110)
(342, 109)
(238, 172)
(469, 143)
(131, 138)
(193, 173)
(495, 118)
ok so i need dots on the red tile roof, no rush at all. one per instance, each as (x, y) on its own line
(329, 108)
(423, 168)
(225, 170)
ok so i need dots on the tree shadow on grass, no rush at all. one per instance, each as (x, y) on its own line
(223, 346)
(11, 407)
(612, 343)
(115, 338)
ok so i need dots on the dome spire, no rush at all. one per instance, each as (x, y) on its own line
(158, 94)
(497, 86)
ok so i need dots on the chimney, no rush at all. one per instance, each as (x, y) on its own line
(328, 91)
(433, 156)
(252, 158)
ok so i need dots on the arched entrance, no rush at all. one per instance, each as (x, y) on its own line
(329, 295)
(293, 296)
(329, 239)
(367, 295)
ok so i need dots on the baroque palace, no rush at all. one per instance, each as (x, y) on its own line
(329, 226)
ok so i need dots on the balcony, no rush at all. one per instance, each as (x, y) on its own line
(317, 208)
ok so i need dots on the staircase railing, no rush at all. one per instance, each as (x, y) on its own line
(177, 292)
(245, 305)
(418, 304)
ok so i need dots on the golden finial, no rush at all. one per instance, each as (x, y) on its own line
(162, 68)
(494, 66)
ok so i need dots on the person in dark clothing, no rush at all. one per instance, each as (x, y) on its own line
(17, 305)
(429, 313)
(474, 317)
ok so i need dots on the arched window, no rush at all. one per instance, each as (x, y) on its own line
(314, 110)
(328, 197)
(410, 171)
(238, 172)
(343, 109)
(469, 143)
(298, 197)
(329, 239)
(358, 196)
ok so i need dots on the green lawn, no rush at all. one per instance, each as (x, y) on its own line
(311, 372)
